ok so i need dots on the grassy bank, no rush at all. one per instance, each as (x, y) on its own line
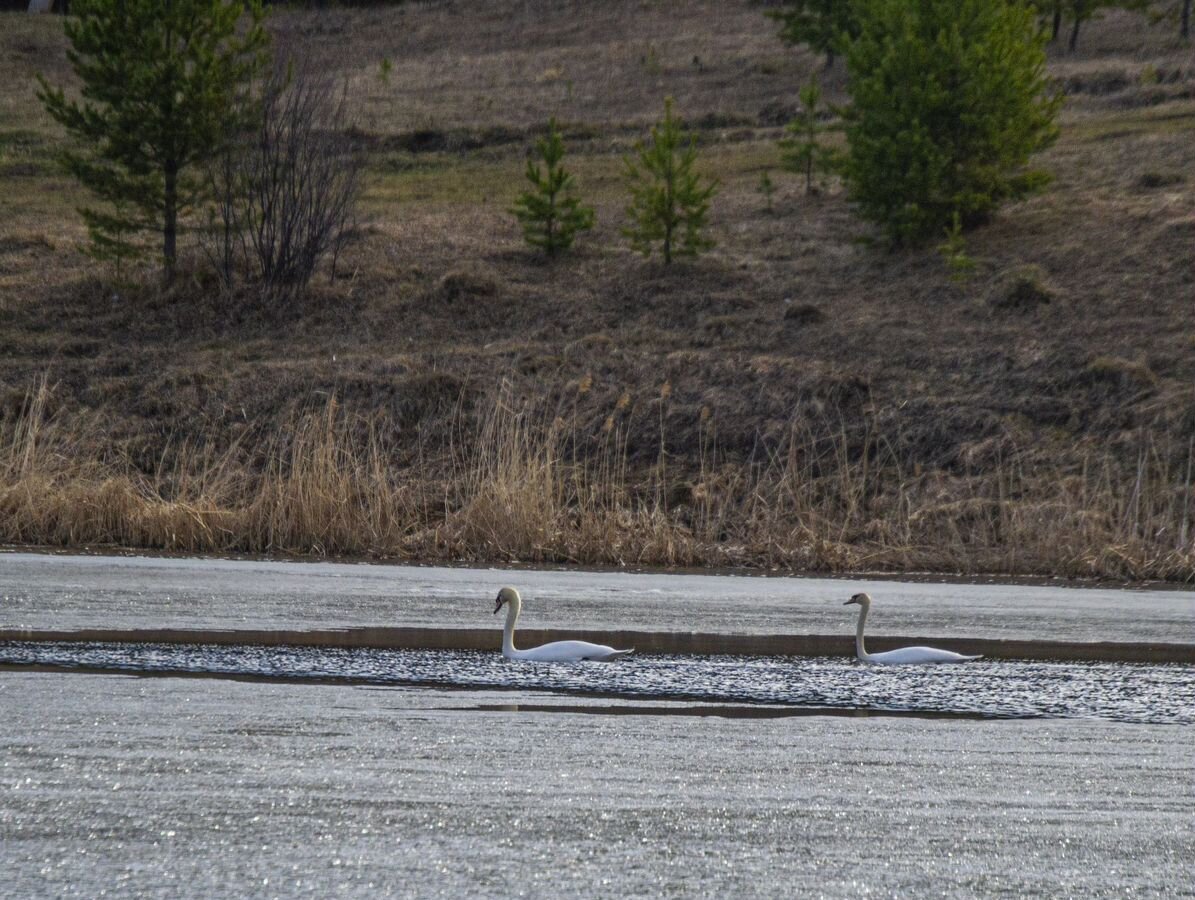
(519, 491)
(795, 399)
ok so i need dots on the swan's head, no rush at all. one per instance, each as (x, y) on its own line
(506, 595)
(859, 599)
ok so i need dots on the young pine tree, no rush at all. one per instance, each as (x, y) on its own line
(159, 97)
(767, 188)
(950, 101)
(550, 215)
(669, 203)
(954, 252)
(802, 151)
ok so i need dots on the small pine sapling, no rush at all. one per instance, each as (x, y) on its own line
(114, 236)
(803, 151)
(551, 216)
(767, 188)
(954, 252)
(669, 201)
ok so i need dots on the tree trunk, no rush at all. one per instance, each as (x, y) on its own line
(670, 199)
(829, 60)
(1057, 24)
(1074, 41)
(1185, 28)
(169, 219)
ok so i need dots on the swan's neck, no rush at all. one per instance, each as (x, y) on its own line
(860, 650)
(508, 633)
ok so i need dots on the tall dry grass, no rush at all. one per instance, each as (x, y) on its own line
(523, 485)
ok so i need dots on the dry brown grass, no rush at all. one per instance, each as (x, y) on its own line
(328, 487)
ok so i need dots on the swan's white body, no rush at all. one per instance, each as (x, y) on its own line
(557, 651)
(905, 656)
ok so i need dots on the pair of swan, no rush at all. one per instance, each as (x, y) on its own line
(578, 651)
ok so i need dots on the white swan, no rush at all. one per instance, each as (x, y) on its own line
(905, 655)
(558, 651)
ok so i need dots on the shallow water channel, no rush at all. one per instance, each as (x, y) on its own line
(1147, 694)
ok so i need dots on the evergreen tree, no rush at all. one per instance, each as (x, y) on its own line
(802, 151)
(550, 216)
(950, 101)
(826, 26)
(160, 80)
(669, 203)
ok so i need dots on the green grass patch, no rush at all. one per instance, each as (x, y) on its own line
(1173, 118)
(448, 178)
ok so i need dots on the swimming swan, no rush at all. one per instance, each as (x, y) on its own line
(558, 651)
(905, 655)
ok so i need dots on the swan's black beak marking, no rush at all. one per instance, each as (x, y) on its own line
(497, 605)
(849, 602)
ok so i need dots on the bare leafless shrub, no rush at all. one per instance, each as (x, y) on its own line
(285, 193)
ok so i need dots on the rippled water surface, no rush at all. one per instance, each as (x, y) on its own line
(998, 689)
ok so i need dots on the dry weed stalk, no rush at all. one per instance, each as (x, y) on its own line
(524, 484)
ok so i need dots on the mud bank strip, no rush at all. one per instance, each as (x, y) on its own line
(689, 643)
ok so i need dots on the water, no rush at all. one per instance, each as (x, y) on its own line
(173, 787)
(62, 592)
(1147, 694)
(305, 772)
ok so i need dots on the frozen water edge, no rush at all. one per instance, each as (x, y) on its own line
(47, 592)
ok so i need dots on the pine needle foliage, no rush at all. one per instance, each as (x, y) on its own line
(950, 100)
(669, 201)
(767, 188)
(159, 97)
(802, 151)
(550, 214)
(954, 252)
(827, 26)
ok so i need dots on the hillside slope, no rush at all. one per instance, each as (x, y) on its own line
(798, 397)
